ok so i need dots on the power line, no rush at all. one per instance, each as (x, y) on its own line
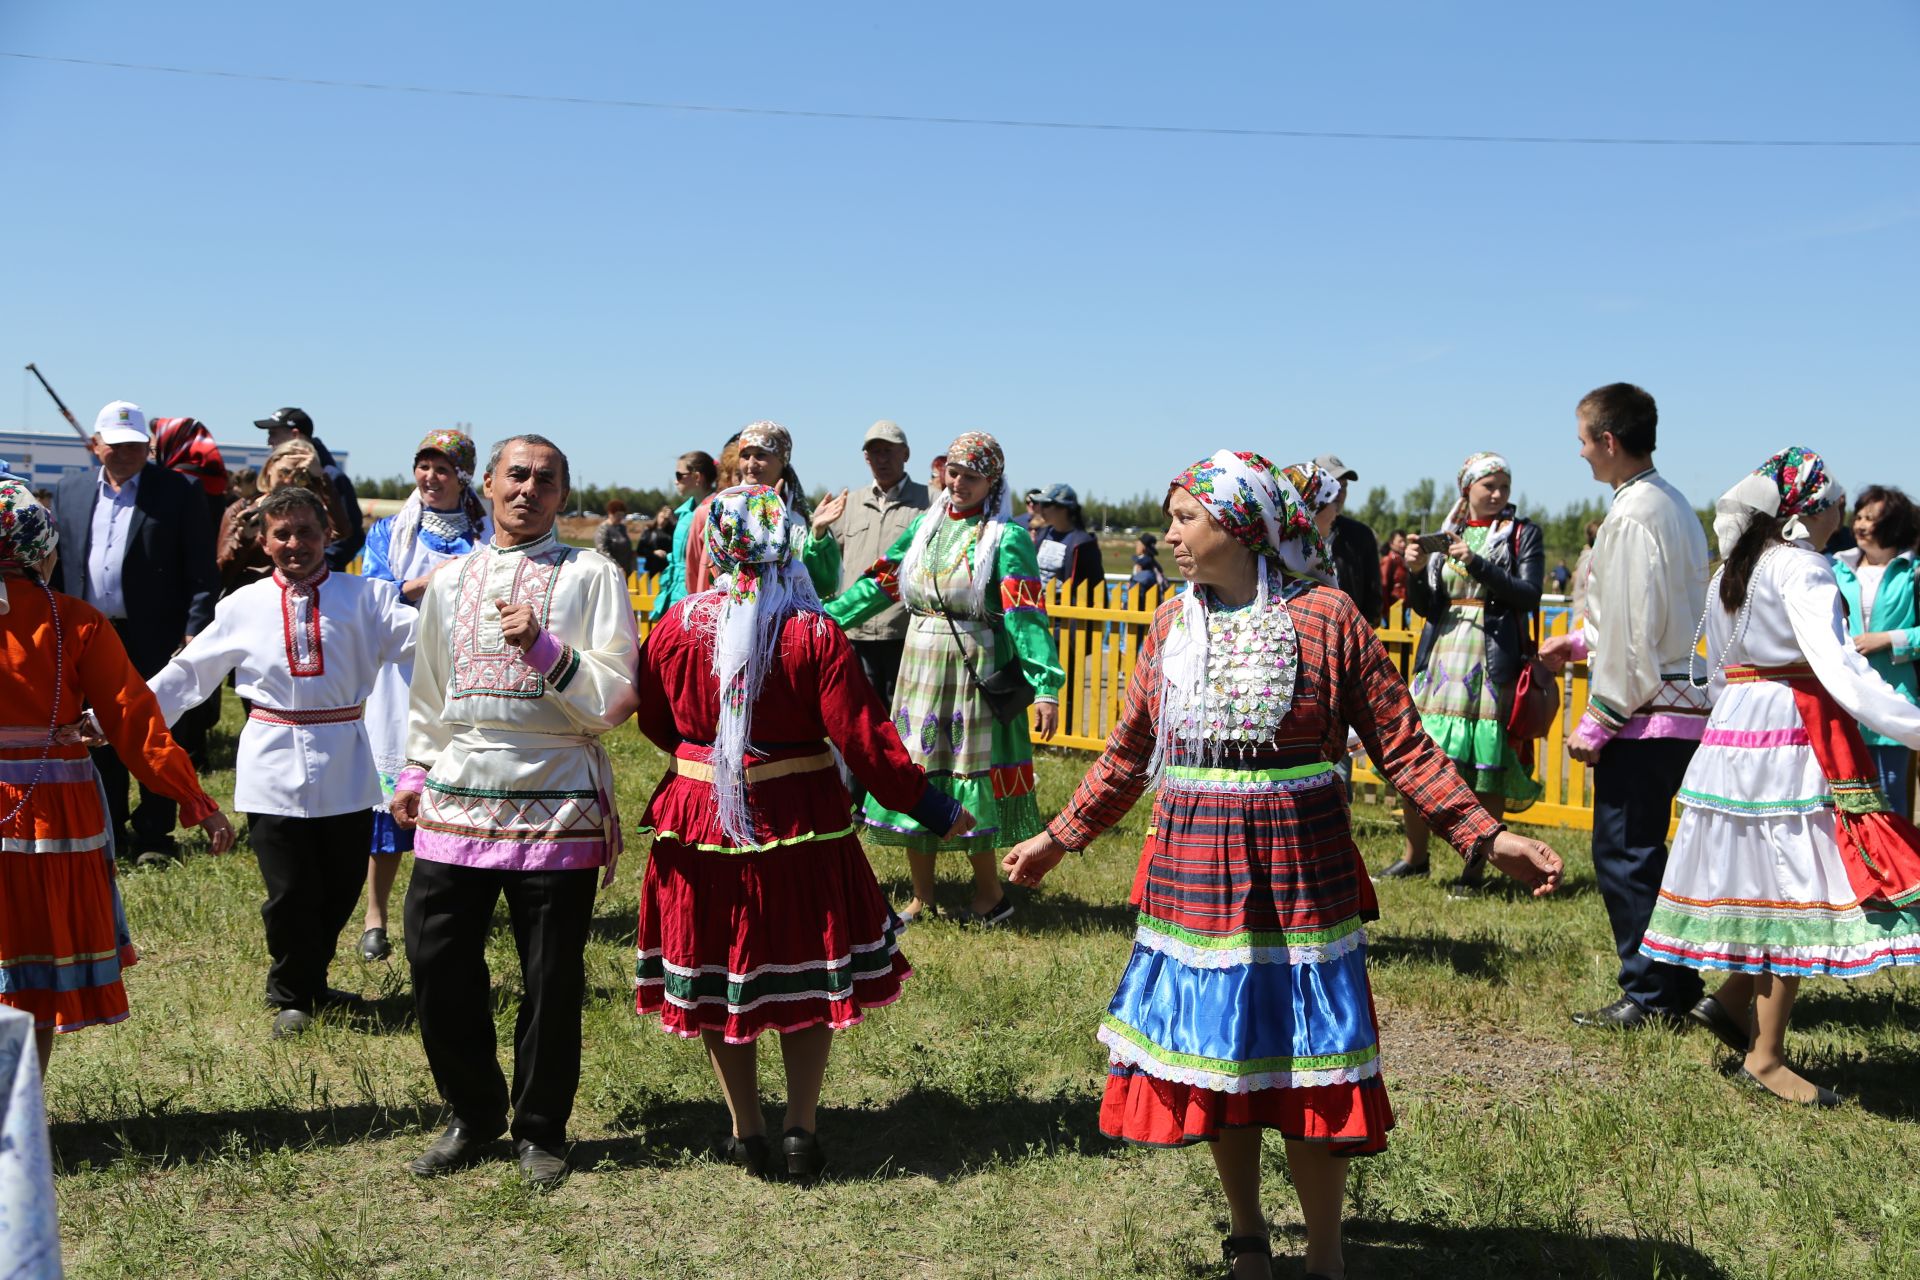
(1331, 135)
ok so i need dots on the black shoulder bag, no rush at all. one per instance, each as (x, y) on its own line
(1007, 693)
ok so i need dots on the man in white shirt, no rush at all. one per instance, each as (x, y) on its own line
(1644, 718)
(526, 657)
(306, 646)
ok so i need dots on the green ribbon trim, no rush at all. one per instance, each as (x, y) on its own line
(1193, 773)
(1251, 938)
(1227, 1067)
(1800, 805)
(495, 793)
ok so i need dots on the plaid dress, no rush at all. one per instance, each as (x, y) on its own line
(1246, 999)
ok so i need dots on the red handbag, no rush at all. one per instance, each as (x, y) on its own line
(1536, 694)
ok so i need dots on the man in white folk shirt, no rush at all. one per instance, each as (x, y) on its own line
(526, 656)
(305, 646)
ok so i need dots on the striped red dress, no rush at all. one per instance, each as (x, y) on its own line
(60, 950)
(1246, 1001)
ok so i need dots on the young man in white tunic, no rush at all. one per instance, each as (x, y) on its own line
(305, 646)
(1644, 717)
(527, 655)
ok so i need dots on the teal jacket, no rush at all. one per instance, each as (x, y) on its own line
(1893, 610)
(673, 582)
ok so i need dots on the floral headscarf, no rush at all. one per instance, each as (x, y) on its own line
(770, 436)
(978, 452)
(469, 520)
(1260, 508)
(27, 533)
(1793, 483)
(186, 446)
(1475, 469)
(754, 542)
(1318, 487)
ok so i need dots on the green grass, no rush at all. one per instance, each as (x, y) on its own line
(962, 1120)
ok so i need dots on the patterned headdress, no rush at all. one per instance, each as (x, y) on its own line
(1793, 483)
(1475, 469)
(186, 446)
(27, 533)
(754, 542)
(1318, 487)
(978, 452)
(471, 518)
(1255, 503)
(770, 436)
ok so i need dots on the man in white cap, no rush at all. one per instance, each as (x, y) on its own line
(138, 546)
(874, 517)
(1356, 552)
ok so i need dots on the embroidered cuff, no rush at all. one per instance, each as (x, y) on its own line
(412, 778)
(553, 659)
(936, 810)
(1591, 733)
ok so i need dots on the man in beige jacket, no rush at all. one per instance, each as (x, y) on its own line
(875, 516)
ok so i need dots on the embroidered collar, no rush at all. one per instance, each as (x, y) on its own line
(545, 542)
(968, 513)
(300, 622)
(303, 585)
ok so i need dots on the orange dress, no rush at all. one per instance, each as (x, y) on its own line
(61, 950)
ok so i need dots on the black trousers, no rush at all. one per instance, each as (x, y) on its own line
(449, 914)
(1633, 788)
(313, 868)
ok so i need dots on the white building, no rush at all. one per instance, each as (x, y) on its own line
(43, 459)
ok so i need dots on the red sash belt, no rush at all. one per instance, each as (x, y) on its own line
(1881, 849)
(311, 715)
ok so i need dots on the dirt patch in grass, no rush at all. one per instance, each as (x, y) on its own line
(1427, 1056)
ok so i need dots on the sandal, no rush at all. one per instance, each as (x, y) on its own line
(1232, 1247)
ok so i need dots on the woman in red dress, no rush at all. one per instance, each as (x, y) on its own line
(1245, 1005)
(63, 936)
(760, 911)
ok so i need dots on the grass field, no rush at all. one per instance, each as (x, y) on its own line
(961, 1121)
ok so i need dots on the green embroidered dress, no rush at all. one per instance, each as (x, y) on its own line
(947, 725)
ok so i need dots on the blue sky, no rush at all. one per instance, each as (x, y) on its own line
(635, 283)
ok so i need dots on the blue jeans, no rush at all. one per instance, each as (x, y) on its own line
(1890, 763)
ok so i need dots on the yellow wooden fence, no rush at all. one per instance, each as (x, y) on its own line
(1099, 630)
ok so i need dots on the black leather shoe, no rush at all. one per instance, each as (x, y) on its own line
(1822, 1096)
(457, 1148)
(542, 1167)
(1625, 1014)
(290, 1022)
(1717, 1018)
(804, 1158)
(374, 945)
(1401, 869)
(753, 1153)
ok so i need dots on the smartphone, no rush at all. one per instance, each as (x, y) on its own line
(1433, 542)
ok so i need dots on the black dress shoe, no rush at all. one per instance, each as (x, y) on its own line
(752, 1153)
(1716, 1017)
(1625, 1014)
(458, 1147)
(1401, 869)
(804, 1158)
(374, 945)
(1822, 1096)
(542, 1167)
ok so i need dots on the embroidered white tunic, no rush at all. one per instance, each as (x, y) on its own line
(507, 746)
(307, 659)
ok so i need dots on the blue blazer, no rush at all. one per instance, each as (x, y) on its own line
(169, 576)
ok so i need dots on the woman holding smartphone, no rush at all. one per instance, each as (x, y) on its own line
(1477, 598)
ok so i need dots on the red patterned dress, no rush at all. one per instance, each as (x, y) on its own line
(1246, 1000)
(792, 931)
(62, 946)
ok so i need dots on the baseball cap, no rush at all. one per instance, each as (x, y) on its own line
(289, 417)
(1331, 462)
(121, 422)
(1060, 495)
(886, 430)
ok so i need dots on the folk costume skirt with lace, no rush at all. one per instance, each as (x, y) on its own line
(790, 933)
(63, 932)
(1246, 1001)
(1788, 859)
